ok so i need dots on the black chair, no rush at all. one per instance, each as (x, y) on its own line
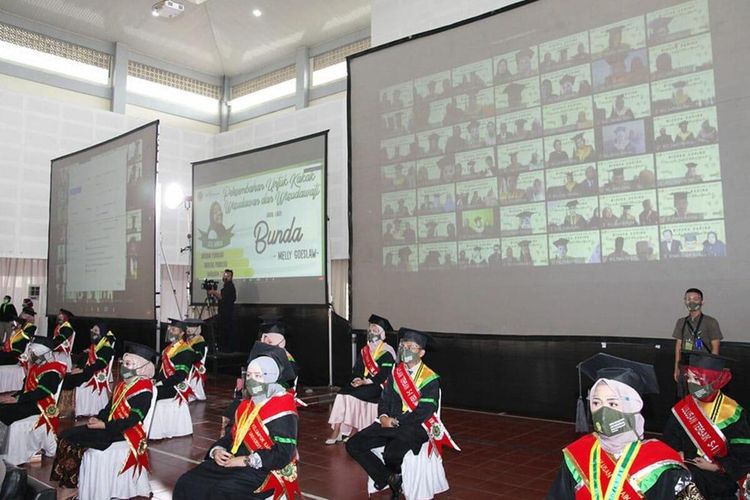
(18, 485)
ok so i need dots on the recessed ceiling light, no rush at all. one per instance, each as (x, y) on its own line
(257, 12)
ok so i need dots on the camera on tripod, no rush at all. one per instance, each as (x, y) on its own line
(208, 285)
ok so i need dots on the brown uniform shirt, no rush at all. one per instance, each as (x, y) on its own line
(708, 330)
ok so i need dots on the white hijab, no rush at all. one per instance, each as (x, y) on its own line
(381, 339)
(630, 402)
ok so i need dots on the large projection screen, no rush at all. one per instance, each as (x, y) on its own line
(100, 257)
(540, 171)
(262, 214)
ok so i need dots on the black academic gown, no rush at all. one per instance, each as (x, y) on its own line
(26, 405)
(370, 392)
(182, 362)
(63, 335)
(11, 358)
(715, 485)
(103, 356)
(210, 481)
(101, 439)
(409, 435)
(564, 486)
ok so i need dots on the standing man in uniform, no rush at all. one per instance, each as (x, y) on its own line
(694, 332)
(7, 314)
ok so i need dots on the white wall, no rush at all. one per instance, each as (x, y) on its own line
(329, 114)
(396, 19)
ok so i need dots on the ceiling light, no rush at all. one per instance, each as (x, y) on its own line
(257, 12)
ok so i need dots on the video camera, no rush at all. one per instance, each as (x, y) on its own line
(209, 285)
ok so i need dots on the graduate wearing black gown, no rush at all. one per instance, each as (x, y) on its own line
(121, 419)
(176, 360)
(716, 471)
(236, 467)
(366, 383)
(95, 360)
(19, 338)
(615, 459)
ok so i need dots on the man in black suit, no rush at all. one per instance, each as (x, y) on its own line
(669, 247)
(398, 430)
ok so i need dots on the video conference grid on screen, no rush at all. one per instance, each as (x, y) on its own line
(598, 147)
(262, 214)
(101, 257)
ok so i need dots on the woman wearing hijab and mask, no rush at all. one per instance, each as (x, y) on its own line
(374, 364)
(709, 429)
(176, 361)
(93, 367)
(19, 338)
(615, 462)
(36, 398)
(122, 419)
(256, 456)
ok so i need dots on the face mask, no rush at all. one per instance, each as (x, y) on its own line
(406, 355)
(254, 387)
(693, 306)
(700, 391)
(95, 337)
(610, 422)
(372, 338)
(173, 337)
(128, 373)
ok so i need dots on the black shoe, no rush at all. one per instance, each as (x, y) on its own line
(394, 482)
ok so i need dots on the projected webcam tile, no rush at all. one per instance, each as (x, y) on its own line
(620, 69)
(630, 208)
(574, 248)
(572, 181)
(520, 125)
(523, 220)
(397, 148)
(478, 223)
(516, 65)
(434, 86)
(695, 90)
(626, 174)
(520, 94)
(473, 76)
(686, 129)
(622, 105)
(437, 256)
(679, 21)
(617, 37)
(624, 139)
(472, 105)
(564, 52)
(397, 123)
(525, 251)
(691, 203)
(629, 244)
(570, 148)
(479, 253)
(564, 84)
(398, 96)
(571, 215)
(435, 170)
(478, 193)
(518, 156)
(688, 166)
(400, 258)
(567, 116)
(399, 203)
(398, 177)
(682, 56)
(399, 231)
(695, 239)
(436, 199)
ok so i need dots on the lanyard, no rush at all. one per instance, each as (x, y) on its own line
(619, 475)
(694, 332)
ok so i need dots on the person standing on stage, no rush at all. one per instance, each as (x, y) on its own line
(694, 332)
(710, 430)
(7, 314)
(227, 297)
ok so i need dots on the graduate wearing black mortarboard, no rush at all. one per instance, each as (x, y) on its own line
(373, 366)
(710, 429)
(176, 361)
(19, 338)
(614, 461)
(400, 427)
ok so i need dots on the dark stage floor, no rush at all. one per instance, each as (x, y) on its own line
(502, 457)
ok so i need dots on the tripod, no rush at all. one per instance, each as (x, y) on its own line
(210, 308)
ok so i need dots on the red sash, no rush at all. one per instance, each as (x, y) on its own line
(49, 413)
(652, 454)
(199, 369)
(184, 391)
(702, 431)
(13, 338)
(371, 366)
(67, 345)
(282, 481)
(99, 380)
(410, 395)
(135, 435)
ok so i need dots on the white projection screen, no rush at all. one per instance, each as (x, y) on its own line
(540, 171)
(262, 214)
(100, 257)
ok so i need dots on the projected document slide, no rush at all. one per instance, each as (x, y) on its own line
(265, 221)
(102, 219)
(537, 148)
(590, 146)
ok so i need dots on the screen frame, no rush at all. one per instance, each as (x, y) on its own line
(324, 134)
(156, 124)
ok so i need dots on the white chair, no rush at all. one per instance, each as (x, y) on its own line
(64, 357)
(196, 383)
(89, 401)
(99, 477)
(11, 378)
(172, 417)
(423, 474)
(25, 439)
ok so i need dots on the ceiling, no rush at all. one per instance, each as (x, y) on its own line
(217, 37)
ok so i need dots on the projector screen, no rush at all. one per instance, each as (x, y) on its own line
(100, 257)
(539, 171)
(262, 214)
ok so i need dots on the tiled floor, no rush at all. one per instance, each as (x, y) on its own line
(502, 457)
